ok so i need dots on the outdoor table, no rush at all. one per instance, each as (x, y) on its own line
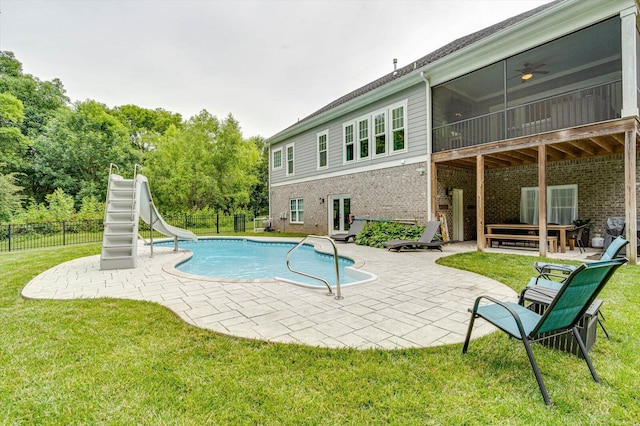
(562, 230)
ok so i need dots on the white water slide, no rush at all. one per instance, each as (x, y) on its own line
(129, 200)
(152, 217)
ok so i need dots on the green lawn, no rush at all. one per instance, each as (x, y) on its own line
(112, 361)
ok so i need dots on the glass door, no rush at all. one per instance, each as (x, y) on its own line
(340, 211)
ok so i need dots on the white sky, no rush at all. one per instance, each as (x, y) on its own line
(269, 63)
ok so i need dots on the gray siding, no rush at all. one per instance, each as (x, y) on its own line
(305, 162)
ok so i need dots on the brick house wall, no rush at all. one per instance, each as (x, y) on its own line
(600, 183)
(390, 193)
(401, 193)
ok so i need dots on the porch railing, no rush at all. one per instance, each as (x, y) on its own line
(570, 109)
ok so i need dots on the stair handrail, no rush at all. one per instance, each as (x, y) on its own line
(111, 166)
(335, 257)
(133, 199)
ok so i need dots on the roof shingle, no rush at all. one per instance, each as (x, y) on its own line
(429, 58)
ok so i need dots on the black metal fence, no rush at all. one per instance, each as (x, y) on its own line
(14, 237)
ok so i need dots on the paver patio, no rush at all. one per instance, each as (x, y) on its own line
(413, 303)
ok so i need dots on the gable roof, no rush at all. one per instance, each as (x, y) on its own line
(434, 56)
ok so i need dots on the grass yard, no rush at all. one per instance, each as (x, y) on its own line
(110, 361)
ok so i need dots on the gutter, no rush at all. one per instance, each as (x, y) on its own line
(390, 88)
(556, 21)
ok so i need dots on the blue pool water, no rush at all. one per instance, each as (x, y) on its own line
(244, 259)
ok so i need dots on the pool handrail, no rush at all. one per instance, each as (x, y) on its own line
(335, 257)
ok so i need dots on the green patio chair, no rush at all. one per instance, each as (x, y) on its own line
(562, 316)
(550, 273)
(558, 270)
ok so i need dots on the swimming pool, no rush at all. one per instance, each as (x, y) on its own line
(246, 259)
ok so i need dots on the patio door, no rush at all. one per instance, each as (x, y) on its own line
(339, 213)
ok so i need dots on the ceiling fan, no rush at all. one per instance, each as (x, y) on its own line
(530, 69)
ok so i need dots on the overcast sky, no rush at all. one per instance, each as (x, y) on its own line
(269, 63)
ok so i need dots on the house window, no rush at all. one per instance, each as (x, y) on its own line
(562, 204)
(289, 159)
(349, 143)
(363, 139)
(276, 162)
(397, 129)
(380, 133)
(322, 149)
(297, 210)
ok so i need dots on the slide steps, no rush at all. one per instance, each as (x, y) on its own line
(120, 240)
(128, 201)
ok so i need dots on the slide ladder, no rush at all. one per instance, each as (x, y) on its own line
(120, 239)
(129, 200)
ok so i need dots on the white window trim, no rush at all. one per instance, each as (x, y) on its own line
(534, 190)
(371, 128)
(293, 160)
(324, 133)
(273, 166)
(297, 215)
(403, 105)
(357, 124)
(372, 139)
(354, 142)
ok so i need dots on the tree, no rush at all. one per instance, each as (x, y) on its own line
(75, 150)
(205, 165)
(146, 124)
(13, 144)
(259, 199)
(41, 99)
(10, 199)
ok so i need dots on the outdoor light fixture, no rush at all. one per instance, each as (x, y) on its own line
(526, 76)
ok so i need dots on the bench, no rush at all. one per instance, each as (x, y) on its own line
(551, 240)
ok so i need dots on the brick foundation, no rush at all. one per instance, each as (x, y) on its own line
(401, 193)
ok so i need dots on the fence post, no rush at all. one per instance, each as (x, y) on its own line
(217, 223)
(186, 220)
(64, 233)
(9, 235)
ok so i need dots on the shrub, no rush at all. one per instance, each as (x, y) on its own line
(376, 233)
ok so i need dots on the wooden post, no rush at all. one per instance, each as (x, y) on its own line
(480, 202)
(630, 199)
(542, 197)
(433, 214)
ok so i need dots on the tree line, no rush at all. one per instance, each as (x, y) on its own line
(57, 153)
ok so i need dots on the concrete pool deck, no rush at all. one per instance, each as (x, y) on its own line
(414, 302)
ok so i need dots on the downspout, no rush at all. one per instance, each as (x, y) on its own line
(429, 140)
(269, 186)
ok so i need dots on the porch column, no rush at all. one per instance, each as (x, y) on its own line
(630, 199)
(433, 207)
(629, 62)
(542, 197)
(480, 202)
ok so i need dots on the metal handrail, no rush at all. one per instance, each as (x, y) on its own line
(335, 257)
(111, 166)
(133, 199)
